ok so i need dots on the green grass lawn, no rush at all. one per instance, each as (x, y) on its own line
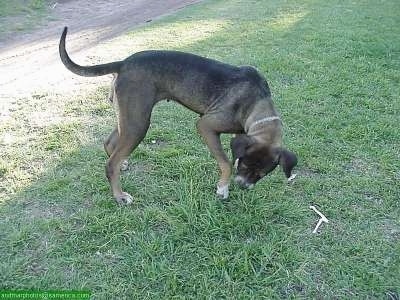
(334, 70)
(19, 15)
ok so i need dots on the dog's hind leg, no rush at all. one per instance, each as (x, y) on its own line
(130, 137)
(111, 142)
(211, 136)
(135, 105)
(109, 146)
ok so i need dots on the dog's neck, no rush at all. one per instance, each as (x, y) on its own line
(264, 124)
(261, 122)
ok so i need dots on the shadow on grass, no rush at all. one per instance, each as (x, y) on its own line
(65, 227)
(64, 230)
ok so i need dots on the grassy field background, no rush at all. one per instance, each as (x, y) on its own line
(18, 15)
(334, 70)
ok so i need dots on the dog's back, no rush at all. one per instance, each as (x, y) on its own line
(188, 78)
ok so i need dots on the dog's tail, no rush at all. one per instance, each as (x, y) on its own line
(88, 71)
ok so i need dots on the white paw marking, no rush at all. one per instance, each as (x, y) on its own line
(291, 178)
(223, 191)
(124, 198)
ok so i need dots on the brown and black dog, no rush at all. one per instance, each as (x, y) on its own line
(229, 99)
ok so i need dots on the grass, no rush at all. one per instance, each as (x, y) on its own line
(19, 15)
(334, 69)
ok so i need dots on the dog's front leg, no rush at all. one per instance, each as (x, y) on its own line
(212, 139)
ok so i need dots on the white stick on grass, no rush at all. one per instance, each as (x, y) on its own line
(322, 219)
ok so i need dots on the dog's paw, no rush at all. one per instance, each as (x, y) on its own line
(124, 165)
(223, 191)
(291, 178)
(124, 199)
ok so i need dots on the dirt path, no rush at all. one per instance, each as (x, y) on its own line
(29, 62)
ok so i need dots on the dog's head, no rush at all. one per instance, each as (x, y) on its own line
(254, 160)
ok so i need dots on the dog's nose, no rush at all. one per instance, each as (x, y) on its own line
(242, 183)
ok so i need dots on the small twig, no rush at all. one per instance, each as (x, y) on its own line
(322, 219)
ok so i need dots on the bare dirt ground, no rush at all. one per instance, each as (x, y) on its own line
(29, 62)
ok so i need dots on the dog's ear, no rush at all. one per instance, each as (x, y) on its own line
(287, 160)
(239, 145)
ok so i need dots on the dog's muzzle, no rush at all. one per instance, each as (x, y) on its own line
(242, 182)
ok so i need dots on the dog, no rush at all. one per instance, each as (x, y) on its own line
(228, 99)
